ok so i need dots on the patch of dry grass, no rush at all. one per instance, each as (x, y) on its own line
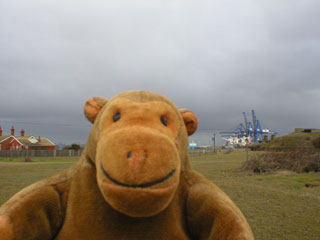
(299, 160)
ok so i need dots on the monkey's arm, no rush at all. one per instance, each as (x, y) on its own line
(36, 212)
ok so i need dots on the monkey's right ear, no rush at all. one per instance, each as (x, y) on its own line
(190, 120)
(93, 107)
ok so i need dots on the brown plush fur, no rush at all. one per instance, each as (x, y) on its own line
(6, 233)
(133, 181)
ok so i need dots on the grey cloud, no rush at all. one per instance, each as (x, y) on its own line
(216, 58)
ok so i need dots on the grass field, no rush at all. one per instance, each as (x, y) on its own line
(278, 206)
(292, 141)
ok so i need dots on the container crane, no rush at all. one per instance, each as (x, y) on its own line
(248, 132)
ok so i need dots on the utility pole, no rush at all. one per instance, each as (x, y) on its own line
(247, 141)
(214, 142)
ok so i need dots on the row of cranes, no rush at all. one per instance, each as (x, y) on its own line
(250, 132)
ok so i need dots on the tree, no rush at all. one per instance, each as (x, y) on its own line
(74, 147)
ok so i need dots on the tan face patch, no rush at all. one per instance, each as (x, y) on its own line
(146, 114)
(137, 154)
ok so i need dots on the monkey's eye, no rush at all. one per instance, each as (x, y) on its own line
(116, 116)
(164, 120)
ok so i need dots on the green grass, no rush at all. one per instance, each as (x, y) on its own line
(277, 206)
(291, 141)
(15, 174)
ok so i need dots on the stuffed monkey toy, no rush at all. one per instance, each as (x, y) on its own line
(133, 181)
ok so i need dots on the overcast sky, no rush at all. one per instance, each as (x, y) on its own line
(217, 58)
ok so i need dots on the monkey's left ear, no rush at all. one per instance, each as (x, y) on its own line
(93, 107)
(190, 120)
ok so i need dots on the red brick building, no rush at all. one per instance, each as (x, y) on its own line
(12, 142)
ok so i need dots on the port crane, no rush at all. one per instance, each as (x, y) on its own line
(249, 132)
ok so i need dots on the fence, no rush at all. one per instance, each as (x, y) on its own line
(39, 153)
(201, 151)
(75, 153)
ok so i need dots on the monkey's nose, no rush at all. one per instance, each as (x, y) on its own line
(142, 154)
(137, 159)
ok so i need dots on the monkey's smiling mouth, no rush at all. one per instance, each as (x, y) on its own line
(143, 185)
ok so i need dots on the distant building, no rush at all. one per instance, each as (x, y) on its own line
(22, 142)
(306, 130)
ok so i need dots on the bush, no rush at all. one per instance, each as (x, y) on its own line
(28, 159)
(72, 147)
(316, 142)
(301, 160)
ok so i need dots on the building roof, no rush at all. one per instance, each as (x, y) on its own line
(31, 141)
(3, 138)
